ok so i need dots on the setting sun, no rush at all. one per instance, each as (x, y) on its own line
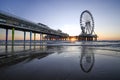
(72, 38)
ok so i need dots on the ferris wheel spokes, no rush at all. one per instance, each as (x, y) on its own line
(86, 21)
(87, 27)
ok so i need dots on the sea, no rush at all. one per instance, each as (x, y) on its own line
(60, 60)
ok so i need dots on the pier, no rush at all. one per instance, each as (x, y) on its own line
(11, 22)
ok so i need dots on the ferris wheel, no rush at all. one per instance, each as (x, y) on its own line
(87, 22)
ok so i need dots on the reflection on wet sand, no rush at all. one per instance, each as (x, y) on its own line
(13, 49)
(14, 57)
(87, 59)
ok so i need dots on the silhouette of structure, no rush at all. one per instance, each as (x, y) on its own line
(12, 22)
(87, 27)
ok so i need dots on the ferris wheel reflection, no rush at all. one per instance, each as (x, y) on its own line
(87, 59)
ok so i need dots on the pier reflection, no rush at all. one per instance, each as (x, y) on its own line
(6, 49)
(14, 54)
(16, 48)
(87, 59)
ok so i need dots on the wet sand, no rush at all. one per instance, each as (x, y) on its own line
(60, 63)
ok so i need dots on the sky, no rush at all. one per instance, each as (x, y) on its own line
(65, 15)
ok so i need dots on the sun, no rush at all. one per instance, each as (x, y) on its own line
(73, 39)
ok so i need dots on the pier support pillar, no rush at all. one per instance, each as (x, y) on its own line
(40, 39)
(6, 41)
(47, 35)
(13, 31)
(34, 40)
(24, 37)
(30, 38)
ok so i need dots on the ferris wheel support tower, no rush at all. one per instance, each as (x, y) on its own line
(87, 27)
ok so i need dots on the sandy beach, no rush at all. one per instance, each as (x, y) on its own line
(61, 62)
